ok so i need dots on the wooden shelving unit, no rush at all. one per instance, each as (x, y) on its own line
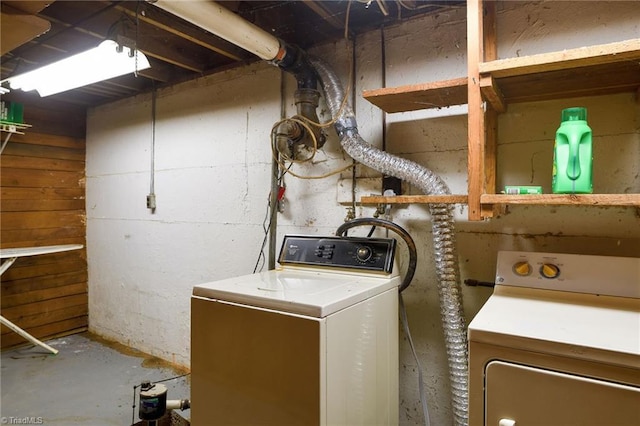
(10, 129)
(588, 71)
(493, 84)
(438, 94)
(415, 199)
(564, 199)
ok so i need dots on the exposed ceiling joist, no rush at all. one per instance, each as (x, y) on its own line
(177, 50)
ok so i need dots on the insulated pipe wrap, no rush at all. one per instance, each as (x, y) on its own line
(449, 289)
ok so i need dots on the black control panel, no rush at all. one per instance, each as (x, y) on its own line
(369, 254)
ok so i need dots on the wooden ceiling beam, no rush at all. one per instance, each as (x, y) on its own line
(320, 10)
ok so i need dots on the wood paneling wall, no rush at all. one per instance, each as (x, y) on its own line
(42, 175)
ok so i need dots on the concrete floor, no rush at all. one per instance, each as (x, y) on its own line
(89, 382)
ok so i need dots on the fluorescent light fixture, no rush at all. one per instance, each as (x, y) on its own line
(106, 61)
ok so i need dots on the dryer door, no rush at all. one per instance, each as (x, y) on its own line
(521, 395)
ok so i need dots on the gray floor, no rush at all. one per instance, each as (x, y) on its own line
(89, 382)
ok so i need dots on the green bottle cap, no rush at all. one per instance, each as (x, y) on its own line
(573, 114)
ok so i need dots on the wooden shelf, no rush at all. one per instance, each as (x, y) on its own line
(587, 71)
(414, 199)
(564, 199)
(439, 94)
(494, 83)
(10, 127)
(628, 50)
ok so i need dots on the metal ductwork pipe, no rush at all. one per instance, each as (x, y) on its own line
(236, 30)
(444, 242)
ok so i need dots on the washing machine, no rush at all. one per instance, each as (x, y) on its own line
(557, 343)
(314, 342)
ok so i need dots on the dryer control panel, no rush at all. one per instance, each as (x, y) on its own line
(366, 254)
(577, 273)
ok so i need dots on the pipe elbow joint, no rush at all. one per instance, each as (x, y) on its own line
(294, 60)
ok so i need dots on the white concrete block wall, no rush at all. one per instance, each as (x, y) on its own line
(213, 165)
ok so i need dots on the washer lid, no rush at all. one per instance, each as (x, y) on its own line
(304, 292)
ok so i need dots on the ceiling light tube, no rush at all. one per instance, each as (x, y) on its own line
(106, 61)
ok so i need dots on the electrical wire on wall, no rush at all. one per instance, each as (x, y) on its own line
(151, 198)
(351, 213)
(276, 196)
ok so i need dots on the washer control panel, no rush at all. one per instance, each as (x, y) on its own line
(367, 254)
(605, 275)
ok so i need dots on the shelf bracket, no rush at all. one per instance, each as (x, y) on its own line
(492, 93)
(11, 128)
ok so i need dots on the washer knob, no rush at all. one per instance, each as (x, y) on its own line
(364, 253)
(549, 270)
(522, 269)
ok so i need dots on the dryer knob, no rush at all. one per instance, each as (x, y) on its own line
(522, 269)
(549, 270)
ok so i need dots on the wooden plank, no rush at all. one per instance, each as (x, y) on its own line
(29, 267)
(73, 325)
(627, 50)
(49, 317)
(414, 199)
(15, 273)
(41, 205)
(13, 287)
(18, 29)
(35, 220)
(326, 14)
(39, 163)
(489, 51)
(41, 295)
(43, 236)
(584, 81)
(43, 139)
(439, 94)
(40, 151)
(492, 93)
(565, 199)
(490, 156)
(31, 7)
(34, 194)
(16, 313)
(476, 132)
(41, 178)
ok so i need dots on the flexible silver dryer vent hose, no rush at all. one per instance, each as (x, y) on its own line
(444, 238)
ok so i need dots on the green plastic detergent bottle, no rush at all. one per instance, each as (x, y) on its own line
(573, 154)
